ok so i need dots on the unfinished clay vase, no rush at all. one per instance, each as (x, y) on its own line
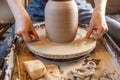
(61, 20)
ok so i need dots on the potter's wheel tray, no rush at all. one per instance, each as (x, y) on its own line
(45, 48)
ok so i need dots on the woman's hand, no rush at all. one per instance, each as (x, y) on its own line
(97, 26)
(24, 28)
(23, 24)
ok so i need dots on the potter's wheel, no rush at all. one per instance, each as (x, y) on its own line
(48, 49)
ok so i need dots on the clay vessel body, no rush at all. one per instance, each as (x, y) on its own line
(61, 20)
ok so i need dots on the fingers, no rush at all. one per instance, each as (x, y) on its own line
(28, 36)
(96, 32)
(90, 31)
(35, 34)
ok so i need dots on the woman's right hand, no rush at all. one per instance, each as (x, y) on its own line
(24, 29)
(23, 24)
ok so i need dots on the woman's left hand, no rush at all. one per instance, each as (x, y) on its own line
(97, 26)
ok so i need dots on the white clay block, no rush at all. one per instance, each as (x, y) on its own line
(35, 68)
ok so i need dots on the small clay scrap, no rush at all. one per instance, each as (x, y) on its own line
(97, 61)
(39, 25)
(53, 73)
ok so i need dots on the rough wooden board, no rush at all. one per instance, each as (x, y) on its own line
(100, 52)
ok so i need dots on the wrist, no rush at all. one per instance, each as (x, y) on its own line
(99, 10)
(100, 6)
(22, 16)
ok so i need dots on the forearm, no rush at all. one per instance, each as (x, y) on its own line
(17, 9)
(100, 5)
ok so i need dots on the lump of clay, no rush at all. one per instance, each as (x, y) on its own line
(52, 73)
(35, 68)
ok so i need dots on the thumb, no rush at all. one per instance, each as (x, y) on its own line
(35, 34)
(26, 37)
